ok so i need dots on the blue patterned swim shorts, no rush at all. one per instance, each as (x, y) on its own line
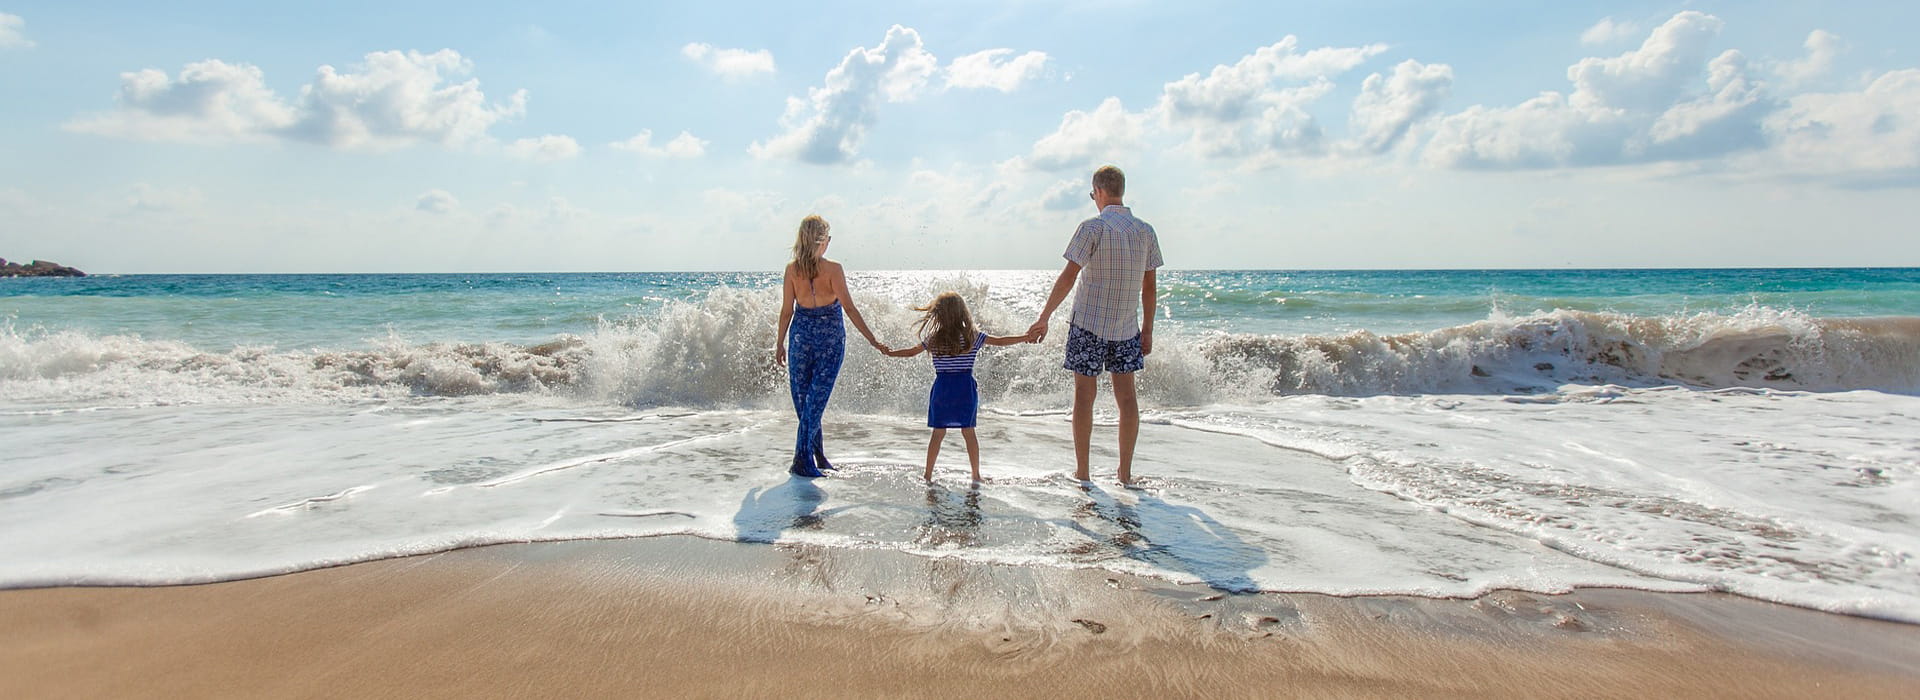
(1091, 354)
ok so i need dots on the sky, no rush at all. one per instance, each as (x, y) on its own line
(218, 137)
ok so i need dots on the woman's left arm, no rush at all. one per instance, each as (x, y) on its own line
(853, 311)
(786, 317)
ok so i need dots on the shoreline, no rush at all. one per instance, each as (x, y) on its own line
(691, 616)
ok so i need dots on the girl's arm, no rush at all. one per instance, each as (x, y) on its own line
(1008, 339)
(905, 352)
(786, 316)
(853, 312)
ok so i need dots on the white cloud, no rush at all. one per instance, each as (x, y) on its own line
(1726, 118)
(399, 99)
(1104, 135)
(1651, 76)
(1237, 110)
(1387, 107)
(829, 126)
(212, 101)
(686, 145)
(1067, 195)
(395, 100)
(732, 64)
(1874, 131)
(546, 148)
(1607, 31)
(436, 201)
(1636, 107)
(12, 32)
(1822, 47)
(991, 69)
(1541, 132)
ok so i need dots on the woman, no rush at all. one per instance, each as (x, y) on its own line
(811, 297)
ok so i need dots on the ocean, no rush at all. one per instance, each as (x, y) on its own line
(1433, 433)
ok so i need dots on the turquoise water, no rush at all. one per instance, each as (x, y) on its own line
(217, 312)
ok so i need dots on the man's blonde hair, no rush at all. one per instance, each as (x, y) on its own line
(1110, 180)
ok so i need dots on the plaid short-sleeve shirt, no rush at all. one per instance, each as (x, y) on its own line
(1114, 250)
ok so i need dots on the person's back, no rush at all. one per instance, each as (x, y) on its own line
(1113, 249)
(816, 292)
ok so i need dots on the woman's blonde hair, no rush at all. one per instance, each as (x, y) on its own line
(947, 328)
(806, 246)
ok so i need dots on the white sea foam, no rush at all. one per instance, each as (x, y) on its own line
(1798, 497)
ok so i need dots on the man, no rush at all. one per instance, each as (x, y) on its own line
(1113, 257)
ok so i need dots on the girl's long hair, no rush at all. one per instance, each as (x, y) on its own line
(806, 246)
(947, 328)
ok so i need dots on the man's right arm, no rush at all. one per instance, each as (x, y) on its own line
(1086, 238)
(1061, 285)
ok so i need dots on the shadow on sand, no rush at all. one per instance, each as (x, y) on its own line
(1170, 536)
(792, 505)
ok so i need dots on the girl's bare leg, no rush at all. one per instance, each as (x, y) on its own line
(933, 451)
(973, 452)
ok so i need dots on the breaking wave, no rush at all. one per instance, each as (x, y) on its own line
(717, 351)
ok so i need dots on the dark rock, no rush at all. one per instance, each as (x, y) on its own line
(38, 268)
(1480, 372)
(1543, 366)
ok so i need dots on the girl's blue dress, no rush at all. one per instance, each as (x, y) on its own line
(955, 399)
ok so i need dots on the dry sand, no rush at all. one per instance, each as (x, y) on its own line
(680, 616)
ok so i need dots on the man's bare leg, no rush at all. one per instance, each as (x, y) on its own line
(1128, 404)
(1084, 389)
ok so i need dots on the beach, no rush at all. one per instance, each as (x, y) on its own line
(681, 616)
(1353, 484)
(1455, 351)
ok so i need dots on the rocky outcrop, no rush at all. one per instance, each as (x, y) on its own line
(37, 268)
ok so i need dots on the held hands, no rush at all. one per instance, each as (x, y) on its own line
(1037, 332)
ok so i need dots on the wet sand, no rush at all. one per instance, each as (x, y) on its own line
(681, 616)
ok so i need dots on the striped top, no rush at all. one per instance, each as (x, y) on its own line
(963, 362)
(1114, 251)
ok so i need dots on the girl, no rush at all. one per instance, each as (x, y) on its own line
(812, 294)
(947, 331)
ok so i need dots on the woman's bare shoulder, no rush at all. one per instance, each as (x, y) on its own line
(831, 267)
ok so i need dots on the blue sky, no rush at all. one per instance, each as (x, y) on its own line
(374, 137)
